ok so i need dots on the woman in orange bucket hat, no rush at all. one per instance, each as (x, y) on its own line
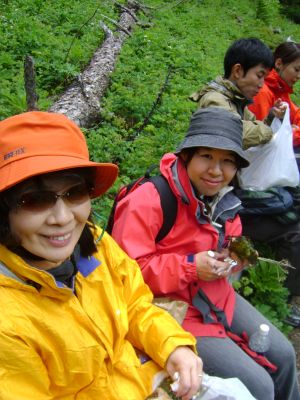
(74, 307)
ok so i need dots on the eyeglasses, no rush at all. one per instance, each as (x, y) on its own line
(41, 200)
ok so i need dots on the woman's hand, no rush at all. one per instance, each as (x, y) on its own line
(212, 265)
(186, 368)
(278, 109)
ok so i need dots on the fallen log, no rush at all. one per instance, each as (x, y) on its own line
(81, 102)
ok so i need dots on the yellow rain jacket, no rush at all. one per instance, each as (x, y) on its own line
(59, 343)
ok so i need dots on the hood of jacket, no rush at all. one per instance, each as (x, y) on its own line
(225, 203)
(223, 86)
(16, 273)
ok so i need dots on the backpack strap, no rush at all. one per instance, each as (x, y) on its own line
(205, 306)
(168, 204)
(123, 192)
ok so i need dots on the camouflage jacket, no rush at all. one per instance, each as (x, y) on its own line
(223, 93)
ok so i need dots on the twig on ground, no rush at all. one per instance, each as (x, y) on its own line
(117, 24)
(108, 33)
(281, 263)
(123, 8)
(76, 35)
(155, 104)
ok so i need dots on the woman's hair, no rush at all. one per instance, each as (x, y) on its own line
(288, 52)
(188, 154)
(8, 202)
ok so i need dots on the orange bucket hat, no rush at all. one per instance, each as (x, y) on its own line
(37, 142)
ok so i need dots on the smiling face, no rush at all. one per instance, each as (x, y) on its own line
(251, 82)
(51, 233)
(210, 170)
(290, 73)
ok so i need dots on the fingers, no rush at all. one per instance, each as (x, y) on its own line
(210, 260)
(185, 368)
(278, 102)
(211, 265)
(211, 253)
(220, 268)
(187, 382)
(279, 109)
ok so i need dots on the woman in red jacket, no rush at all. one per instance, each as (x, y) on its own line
(190, 263)
(279, 85)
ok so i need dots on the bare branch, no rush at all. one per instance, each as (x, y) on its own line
(117, 24)
(108, 33)
(282, 263)
(123, 8)
(76, 35)
(155, 104)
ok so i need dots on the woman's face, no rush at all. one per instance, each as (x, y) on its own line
(51, 232)
(290, 73)
(211, 169)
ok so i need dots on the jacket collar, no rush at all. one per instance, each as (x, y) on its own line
(174, 170)
(225, 87)
(14, 271)
(276, 83)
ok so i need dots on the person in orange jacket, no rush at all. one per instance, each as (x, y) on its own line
(278, 87)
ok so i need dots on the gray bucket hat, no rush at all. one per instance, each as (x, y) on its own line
(217, 128)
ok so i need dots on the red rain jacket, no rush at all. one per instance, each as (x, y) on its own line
(273, 89)
(168, 266)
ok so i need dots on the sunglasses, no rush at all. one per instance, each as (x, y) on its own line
(41, 200)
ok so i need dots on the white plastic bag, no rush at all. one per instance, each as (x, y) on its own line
(224, 389)
(274, 163)
(212, 388)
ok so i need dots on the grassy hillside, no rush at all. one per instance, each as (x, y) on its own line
(61, 35)
(180, 49)
(177, 47)
(190, 38)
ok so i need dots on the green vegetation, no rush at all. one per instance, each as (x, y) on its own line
(191, 39)
(184, 41)
(61, 36)
(262, 286)
(291, 9)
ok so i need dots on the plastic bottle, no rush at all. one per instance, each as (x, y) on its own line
(260, 341)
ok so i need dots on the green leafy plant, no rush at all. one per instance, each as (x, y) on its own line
(267, 10)
(263, 286)
(60, 36)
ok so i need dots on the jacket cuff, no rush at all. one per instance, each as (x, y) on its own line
(174, 342)
(191, 267)
(191, 258)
